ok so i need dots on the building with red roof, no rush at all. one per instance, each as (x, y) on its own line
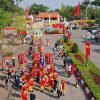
(49, 16)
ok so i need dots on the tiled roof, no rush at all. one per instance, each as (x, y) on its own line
(48, 14)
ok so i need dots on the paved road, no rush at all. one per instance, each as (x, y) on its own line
(95, 47)
(71, 92)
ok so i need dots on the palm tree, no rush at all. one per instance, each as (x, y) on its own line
(86, 3)
(96, 3)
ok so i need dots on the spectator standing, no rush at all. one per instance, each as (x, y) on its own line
(77, 79)
(32, 95)
(63, 85)
(54, 50)
(55, 68)
(69, 70)
(6, 81)
(55, 85)
(13, 61)
(59, 89)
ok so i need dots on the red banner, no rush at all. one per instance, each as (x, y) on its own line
(87, 47)
(57, 25)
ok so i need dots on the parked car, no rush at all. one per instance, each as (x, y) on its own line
(97, 37)
(89, 36)
(98, 29)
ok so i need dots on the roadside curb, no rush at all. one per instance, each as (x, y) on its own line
(86, 88)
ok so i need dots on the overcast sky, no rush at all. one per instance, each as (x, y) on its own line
(52, 4)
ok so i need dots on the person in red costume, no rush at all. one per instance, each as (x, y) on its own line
(42, 83)
(31, 84)
(43, 72)
(51, 69)
(24, 95)
(55, 75)
(50, 82)
(63, 87)
(24, 87)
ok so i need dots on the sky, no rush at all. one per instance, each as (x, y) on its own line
(52, 4)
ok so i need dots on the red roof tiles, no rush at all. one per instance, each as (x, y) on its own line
(48, 14)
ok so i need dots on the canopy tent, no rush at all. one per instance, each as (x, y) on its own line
(10, 30)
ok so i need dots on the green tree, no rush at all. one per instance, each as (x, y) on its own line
(5, 19)
(8, 11)
(86, 3)
(82, 11)
(96, 3)
(67, 11)
(9, 6)
(18, 1)
(35, 8)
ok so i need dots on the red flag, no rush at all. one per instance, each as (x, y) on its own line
(87, 46)
(27, 11)
(77, 10)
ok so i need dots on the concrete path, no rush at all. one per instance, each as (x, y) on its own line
(71, 93)
(95, 47)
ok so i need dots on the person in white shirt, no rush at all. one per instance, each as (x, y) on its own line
(55, 68)
(69, 70)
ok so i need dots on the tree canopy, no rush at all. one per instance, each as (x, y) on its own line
(35, 8)
(67, 11)
(8, 10)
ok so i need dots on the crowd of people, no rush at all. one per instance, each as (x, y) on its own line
(42, 72)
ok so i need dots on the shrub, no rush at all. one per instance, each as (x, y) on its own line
(65, 39)
(75, 48)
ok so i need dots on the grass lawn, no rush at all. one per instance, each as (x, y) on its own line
(86, 71)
